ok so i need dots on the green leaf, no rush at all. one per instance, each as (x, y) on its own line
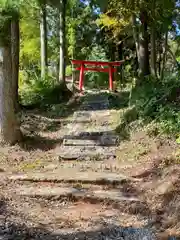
(178, 140)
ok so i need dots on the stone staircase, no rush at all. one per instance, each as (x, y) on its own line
(85, 173)
(90, 134)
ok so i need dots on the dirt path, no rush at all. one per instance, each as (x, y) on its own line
(79, 191)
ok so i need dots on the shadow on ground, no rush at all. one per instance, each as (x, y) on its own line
(111, 232)
(17, 229)
(14, 225)
(37, 142)
(117, 100)
(34, 123)
(58, 110)
(102, 138)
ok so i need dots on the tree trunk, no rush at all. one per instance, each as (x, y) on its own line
(62, 34)
(111, 50)
(9, 126)
(153, 42)
(153, 51)
(143, 46)
(15, 48)
(173, 57)
(120, 57)
(43, 33)
(135, 35)
(164, 54)
(58, 48)
(160, 51)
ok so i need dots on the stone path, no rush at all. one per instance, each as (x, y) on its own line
(83, 195)
(90, 139)
(73, 175)
(90, 134)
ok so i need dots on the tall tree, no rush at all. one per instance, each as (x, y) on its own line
(9, 126)
(62, 34)
(165, 47)
(15, 48)
(43, 35)
(144, 44)
(153, 39)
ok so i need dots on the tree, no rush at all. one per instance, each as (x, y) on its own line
(15, 48)
(144, 44)
(62, 47)
(9, 126)
(146, 24)
(43, 34)
(153, 40)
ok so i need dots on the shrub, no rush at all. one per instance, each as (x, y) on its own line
(158, 101)
(41, 92)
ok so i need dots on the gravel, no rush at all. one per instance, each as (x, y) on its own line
(10, 231)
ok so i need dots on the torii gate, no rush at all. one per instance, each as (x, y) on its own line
(96, 66)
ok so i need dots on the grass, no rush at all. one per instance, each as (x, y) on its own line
(29, 166)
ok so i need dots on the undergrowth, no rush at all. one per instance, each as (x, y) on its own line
(157, 103)
(41, 92)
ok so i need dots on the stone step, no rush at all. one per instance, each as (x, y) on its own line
(85, 142)
(85, 156)
(94, 166)
(89, 116)
(94, 134)
(91, 100)
(86, 153)
(94, 107)
(73, 176)
(82, 115)
(78, 194)
(87, 131)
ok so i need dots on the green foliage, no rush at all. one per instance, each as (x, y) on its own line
(159, 102)
(30, 37)
(97, 79)
(81, 29)
(35, 90)
(40, 92)
(8, 9)
(69, 70)
(178, 139)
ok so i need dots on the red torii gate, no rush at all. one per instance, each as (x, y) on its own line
(96, 66)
